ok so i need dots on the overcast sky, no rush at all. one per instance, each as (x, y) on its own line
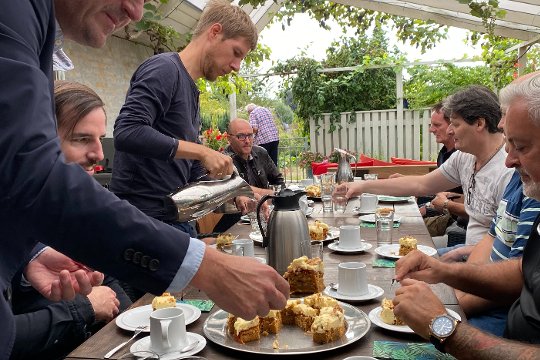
(305, 33)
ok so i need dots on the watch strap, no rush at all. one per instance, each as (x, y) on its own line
(438, 343)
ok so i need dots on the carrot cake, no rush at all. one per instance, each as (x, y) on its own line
(305, 276)
(166, 300)
(406, 245)
(387, 313)
(329, 325)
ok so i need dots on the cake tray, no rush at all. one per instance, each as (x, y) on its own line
(291, 339)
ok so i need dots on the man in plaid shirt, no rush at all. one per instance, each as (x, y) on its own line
(266, 132)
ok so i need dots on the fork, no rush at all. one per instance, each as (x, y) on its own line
(138, 330)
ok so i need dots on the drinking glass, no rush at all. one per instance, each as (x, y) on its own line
(384, 222)
(327, 187)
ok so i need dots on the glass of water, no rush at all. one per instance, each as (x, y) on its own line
(327, 187)
(384, 222)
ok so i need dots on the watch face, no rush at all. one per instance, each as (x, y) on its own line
(442, 326)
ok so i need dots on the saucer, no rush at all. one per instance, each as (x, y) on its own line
(144, 345)
(358, 211)
(373, 292)
(375, 317)
(140, 316)
(371, 218)
(335, 247)
(256, 237)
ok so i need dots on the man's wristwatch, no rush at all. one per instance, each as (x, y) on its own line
(440, 329)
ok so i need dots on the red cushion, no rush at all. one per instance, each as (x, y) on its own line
(322, 167)
(376, 162)
(402, 161)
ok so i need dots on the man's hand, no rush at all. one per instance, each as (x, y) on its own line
(419, 266)
(57, 277)
(104, 303)
(244, 287)
(245, 204)
(218, 165)
(406, 307)
(350, 189)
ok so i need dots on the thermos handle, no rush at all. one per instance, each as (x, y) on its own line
(263, 199)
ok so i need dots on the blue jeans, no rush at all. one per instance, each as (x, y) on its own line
(493, 321)
(443, 251)
(185, 227)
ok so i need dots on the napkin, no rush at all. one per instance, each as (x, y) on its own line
(372, 225)
(407, 351)
(386, 263)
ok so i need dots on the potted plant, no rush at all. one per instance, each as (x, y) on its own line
(305, 158)
(215, 139)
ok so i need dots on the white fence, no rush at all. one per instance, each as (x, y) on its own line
(380, 134)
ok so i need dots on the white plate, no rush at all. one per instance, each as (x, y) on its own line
(374, 292)
(371, 218)
(394, 199)
(375, 317)
(333, 233)
(391, 251)
(292, 340)
(140, 316)
(363, 247)
(245, 219)
(144, 345)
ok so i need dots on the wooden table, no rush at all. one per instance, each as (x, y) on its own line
(411, 224)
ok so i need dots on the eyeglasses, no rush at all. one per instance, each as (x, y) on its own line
(242, 137)
(470, 190)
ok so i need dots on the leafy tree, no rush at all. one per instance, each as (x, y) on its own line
(429, 85)
(315, 93)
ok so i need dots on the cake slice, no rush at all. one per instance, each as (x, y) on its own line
(319, 301)
(387, 313)
(329, 325)
(246, 330)
(166, 300)
(287, 314)
(407, 244)
(271, 323)
(304, 316)
(305, 276)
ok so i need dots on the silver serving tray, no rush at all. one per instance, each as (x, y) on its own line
(292, 340)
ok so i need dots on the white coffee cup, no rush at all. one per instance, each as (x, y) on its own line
(243, 247)
(167, 330)
(349, 236)
(368, 202)
(352, 279)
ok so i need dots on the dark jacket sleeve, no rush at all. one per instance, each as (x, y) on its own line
(59, 326)
(42, 197)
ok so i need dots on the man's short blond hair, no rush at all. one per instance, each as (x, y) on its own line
(234, 21)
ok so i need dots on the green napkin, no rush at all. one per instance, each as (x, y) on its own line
(203, 305)
(372, 225)
(386, 263)
(407, 351)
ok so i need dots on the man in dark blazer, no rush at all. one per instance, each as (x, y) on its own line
(43, 198)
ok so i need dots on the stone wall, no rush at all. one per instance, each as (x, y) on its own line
(107, 70)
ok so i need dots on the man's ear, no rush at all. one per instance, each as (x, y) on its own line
(215, 30)
(481, 123)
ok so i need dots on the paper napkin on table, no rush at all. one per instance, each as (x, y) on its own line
(407, 351)
(386, 263)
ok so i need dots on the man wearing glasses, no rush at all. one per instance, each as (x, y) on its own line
(253, 164)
